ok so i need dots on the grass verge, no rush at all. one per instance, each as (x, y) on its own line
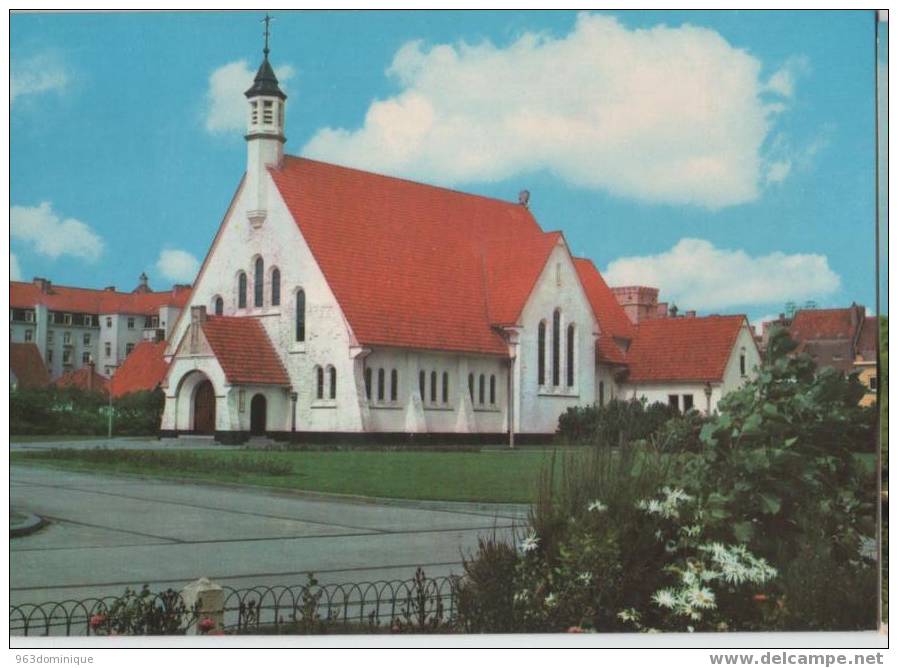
(487, 476)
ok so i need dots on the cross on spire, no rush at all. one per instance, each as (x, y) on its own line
(267, 21)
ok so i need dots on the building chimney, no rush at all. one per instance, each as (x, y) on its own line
(639, 302)
(42, 284)
(673, 310)
(197, 315)
(109, 288)
(524, 198)
(143, 284)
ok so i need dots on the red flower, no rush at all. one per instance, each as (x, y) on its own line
(97, 620)
(575, 629)
(206, 624)
(760, 598)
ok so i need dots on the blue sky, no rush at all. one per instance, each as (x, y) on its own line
(726, 157)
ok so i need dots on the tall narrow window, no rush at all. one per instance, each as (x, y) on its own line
(445, 387)
(394, 385)
(241, 290)
(259, 283)
(482, 386)
(219, 306)
(569, 353)
(742, 363)
(368, 384)
(556, 348)
(471, 386)
(319, 392)
(333, 383)
(300, 315)
(601, 394)
(541, 353)
(492, 390)
(433, 387)
(380, 384)
(422, 382)
(275, 287)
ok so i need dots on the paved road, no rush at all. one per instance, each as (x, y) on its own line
(110, 532)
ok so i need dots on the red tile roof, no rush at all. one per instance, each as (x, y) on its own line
(81, 378)
(143, 369)
(834, 323)
(26, 363)
(613, 321)
(244, 351)
(414, 265)
(683, 349)
(85, 300)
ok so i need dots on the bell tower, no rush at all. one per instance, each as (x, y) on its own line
(265, 131)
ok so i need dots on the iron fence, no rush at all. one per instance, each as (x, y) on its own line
(419, 604)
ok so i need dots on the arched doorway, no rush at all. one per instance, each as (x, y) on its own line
(257, 410)
(204, 408)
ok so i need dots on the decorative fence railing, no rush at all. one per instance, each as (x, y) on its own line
(420, 604)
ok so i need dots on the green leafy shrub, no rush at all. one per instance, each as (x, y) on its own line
(613, 425)
(71, 410)
(485, 592)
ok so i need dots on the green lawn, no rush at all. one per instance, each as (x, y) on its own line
(57, 438)
(487, 476)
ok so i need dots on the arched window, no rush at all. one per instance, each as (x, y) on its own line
(333, 382)
(368, 384)
(275, 287)
(259, 283)
(319, 374)
(380, 384)
(422, 382)
(219, 306)
(492, 390)
(394, 385)
(300, 315)
(601, 394)
(482, 393)
(541, 353)
(556, 348)
(433, 387)
(569, 353)
(471, 386)
(445, 387)
(241, 290)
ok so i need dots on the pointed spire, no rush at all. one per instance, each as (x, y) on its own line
(266, 83)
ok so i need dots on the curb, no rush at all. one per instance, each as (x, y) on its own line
(28, 526)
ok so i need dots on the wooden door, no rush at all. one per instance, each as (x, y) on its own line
(257, 409)
(204, 409)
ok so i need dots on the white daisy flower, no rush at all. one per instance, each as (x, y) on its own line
(551, 600)
(701, 597)
(665, 598)
(585, 578)
(530, 543)
(597, 506)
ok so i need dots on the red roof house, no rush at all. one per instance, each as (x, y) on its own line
(143, 370)
(86, 378)
(26, 367)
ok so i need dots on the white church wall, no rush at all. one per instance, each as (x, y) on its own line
(537, 408)
(732, 376)
(606, 384)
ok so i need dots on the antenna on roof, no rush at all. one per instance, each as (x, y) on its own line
(524, 197)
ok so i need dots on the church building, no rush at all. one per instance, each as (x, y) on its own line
(338, 303)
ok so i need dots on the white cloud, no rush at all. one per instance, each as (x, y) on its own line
(52, 236)
(782, 82)
(15, 271)
(39, 74)
(225, 103)
(696, 274)
(671, 115)
(177, 265)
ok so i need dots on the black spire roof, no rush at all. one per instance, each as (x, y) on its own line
(265, 82)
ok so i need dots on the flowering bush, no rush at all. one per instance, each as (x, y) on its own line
(768, 525)
(143, 613)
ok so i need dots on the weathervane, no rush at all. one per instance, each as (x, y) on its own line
(267, 21)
